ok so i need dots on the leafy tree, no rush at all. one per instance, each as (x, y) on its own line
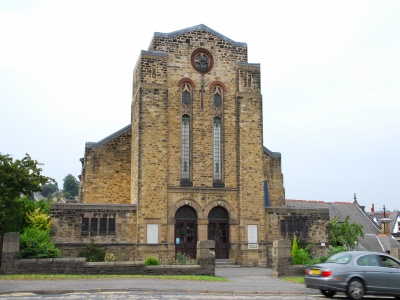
(20, 177)
(70, 187)
(48, 189)
(345, 234)
(18, 180)
(35, 243)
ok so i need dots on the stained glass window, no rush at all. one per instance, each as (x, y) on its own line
(202, 62)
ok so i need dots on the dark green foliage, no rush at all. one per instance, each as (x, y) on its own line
(20, 177)
(345, 234)
(48, 189)
(303, 257)
(93, 253)
(13, 214)
(308, 256)
(18, 180)
(151, 261)
(70, 187)
(35, 243)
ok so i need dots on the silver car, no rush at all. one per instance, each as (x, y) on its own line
(356, 273)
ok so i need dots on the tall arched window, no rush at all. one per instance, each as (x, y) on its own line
(217, 149)
(185, 147)
(186, 135)
(217, 105)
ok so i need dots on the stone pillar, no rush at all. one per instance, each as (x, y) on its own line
(10, 255)
(206, 257)
(395, 252)
(281, 257)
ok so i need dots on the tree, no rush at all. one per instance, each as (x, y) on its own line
(70, 187)
(18, 180)
(295, 251)
(20, 177)
(345, 234)
(48, 188)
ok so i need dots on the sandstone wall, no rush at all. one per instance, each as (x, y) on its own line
(106, 171)
(66, 223)
(274, 177)
(317, 223)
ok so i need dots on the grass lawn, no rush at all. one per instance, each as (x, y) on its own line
(298, 279)
(66, 276)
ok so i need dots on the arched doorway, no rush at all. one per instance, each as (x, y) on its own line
(218, 231)
(186, 231)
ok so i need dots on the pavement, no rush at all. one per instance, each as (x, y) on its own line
(241, 281)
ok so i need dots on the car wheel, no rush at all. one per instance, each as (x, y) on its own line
(355, 289)
(328, 294)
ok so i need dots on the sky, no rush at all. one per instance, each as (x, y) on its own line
(330, 80)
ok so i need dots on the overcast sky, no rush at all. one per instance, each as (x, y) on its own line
(330, 74)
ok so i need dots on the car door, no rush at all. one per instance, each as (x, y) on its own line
(370, 269)
(391, 269)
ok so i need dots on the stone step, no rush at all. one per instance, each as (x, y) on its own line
(225, 263)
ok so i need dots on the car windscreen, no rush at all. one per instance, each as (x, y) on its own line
(339, 258)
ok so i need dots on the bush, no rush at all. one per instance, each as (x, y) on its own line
(151, 261)
(93, 253)
(295, 252)
(109, 257)
(38, 219)
(303, 257)
(35, 243)
(184, 259)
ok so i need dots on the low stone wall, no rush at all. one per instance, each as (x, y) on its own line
(11, 264)
(80, 266)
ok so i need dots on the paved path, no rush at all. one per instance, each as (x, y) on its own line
(242, 281)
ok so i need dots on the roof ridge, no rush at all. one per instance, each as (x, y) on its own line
(199, 27)
(313, 201)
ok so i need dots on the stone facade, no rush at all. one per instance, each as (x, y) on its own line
(191, 166)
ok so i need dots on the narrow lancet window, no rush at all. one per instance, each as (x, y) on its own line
(186, 94)
(185, 147)
(217, 149)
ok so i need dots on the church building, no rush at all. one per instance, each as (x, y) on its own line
(190, 166)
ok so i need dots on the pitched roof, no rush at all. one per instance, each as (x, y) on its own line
(197, 28)
(372, 241)
(340, 210)
(109, 138)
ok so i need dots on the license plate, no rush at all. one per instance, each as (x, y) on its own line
(315, 272)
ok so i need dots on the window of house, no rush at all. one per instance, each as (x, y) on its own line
(98, 225)
(93, 225)
(290, 227)
(85, 225)
(103, 226)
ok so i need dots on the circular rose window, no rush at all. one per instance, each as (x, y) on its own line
(202, 60)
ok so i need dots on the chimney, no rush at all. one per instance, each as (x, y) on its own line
(372, 208)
